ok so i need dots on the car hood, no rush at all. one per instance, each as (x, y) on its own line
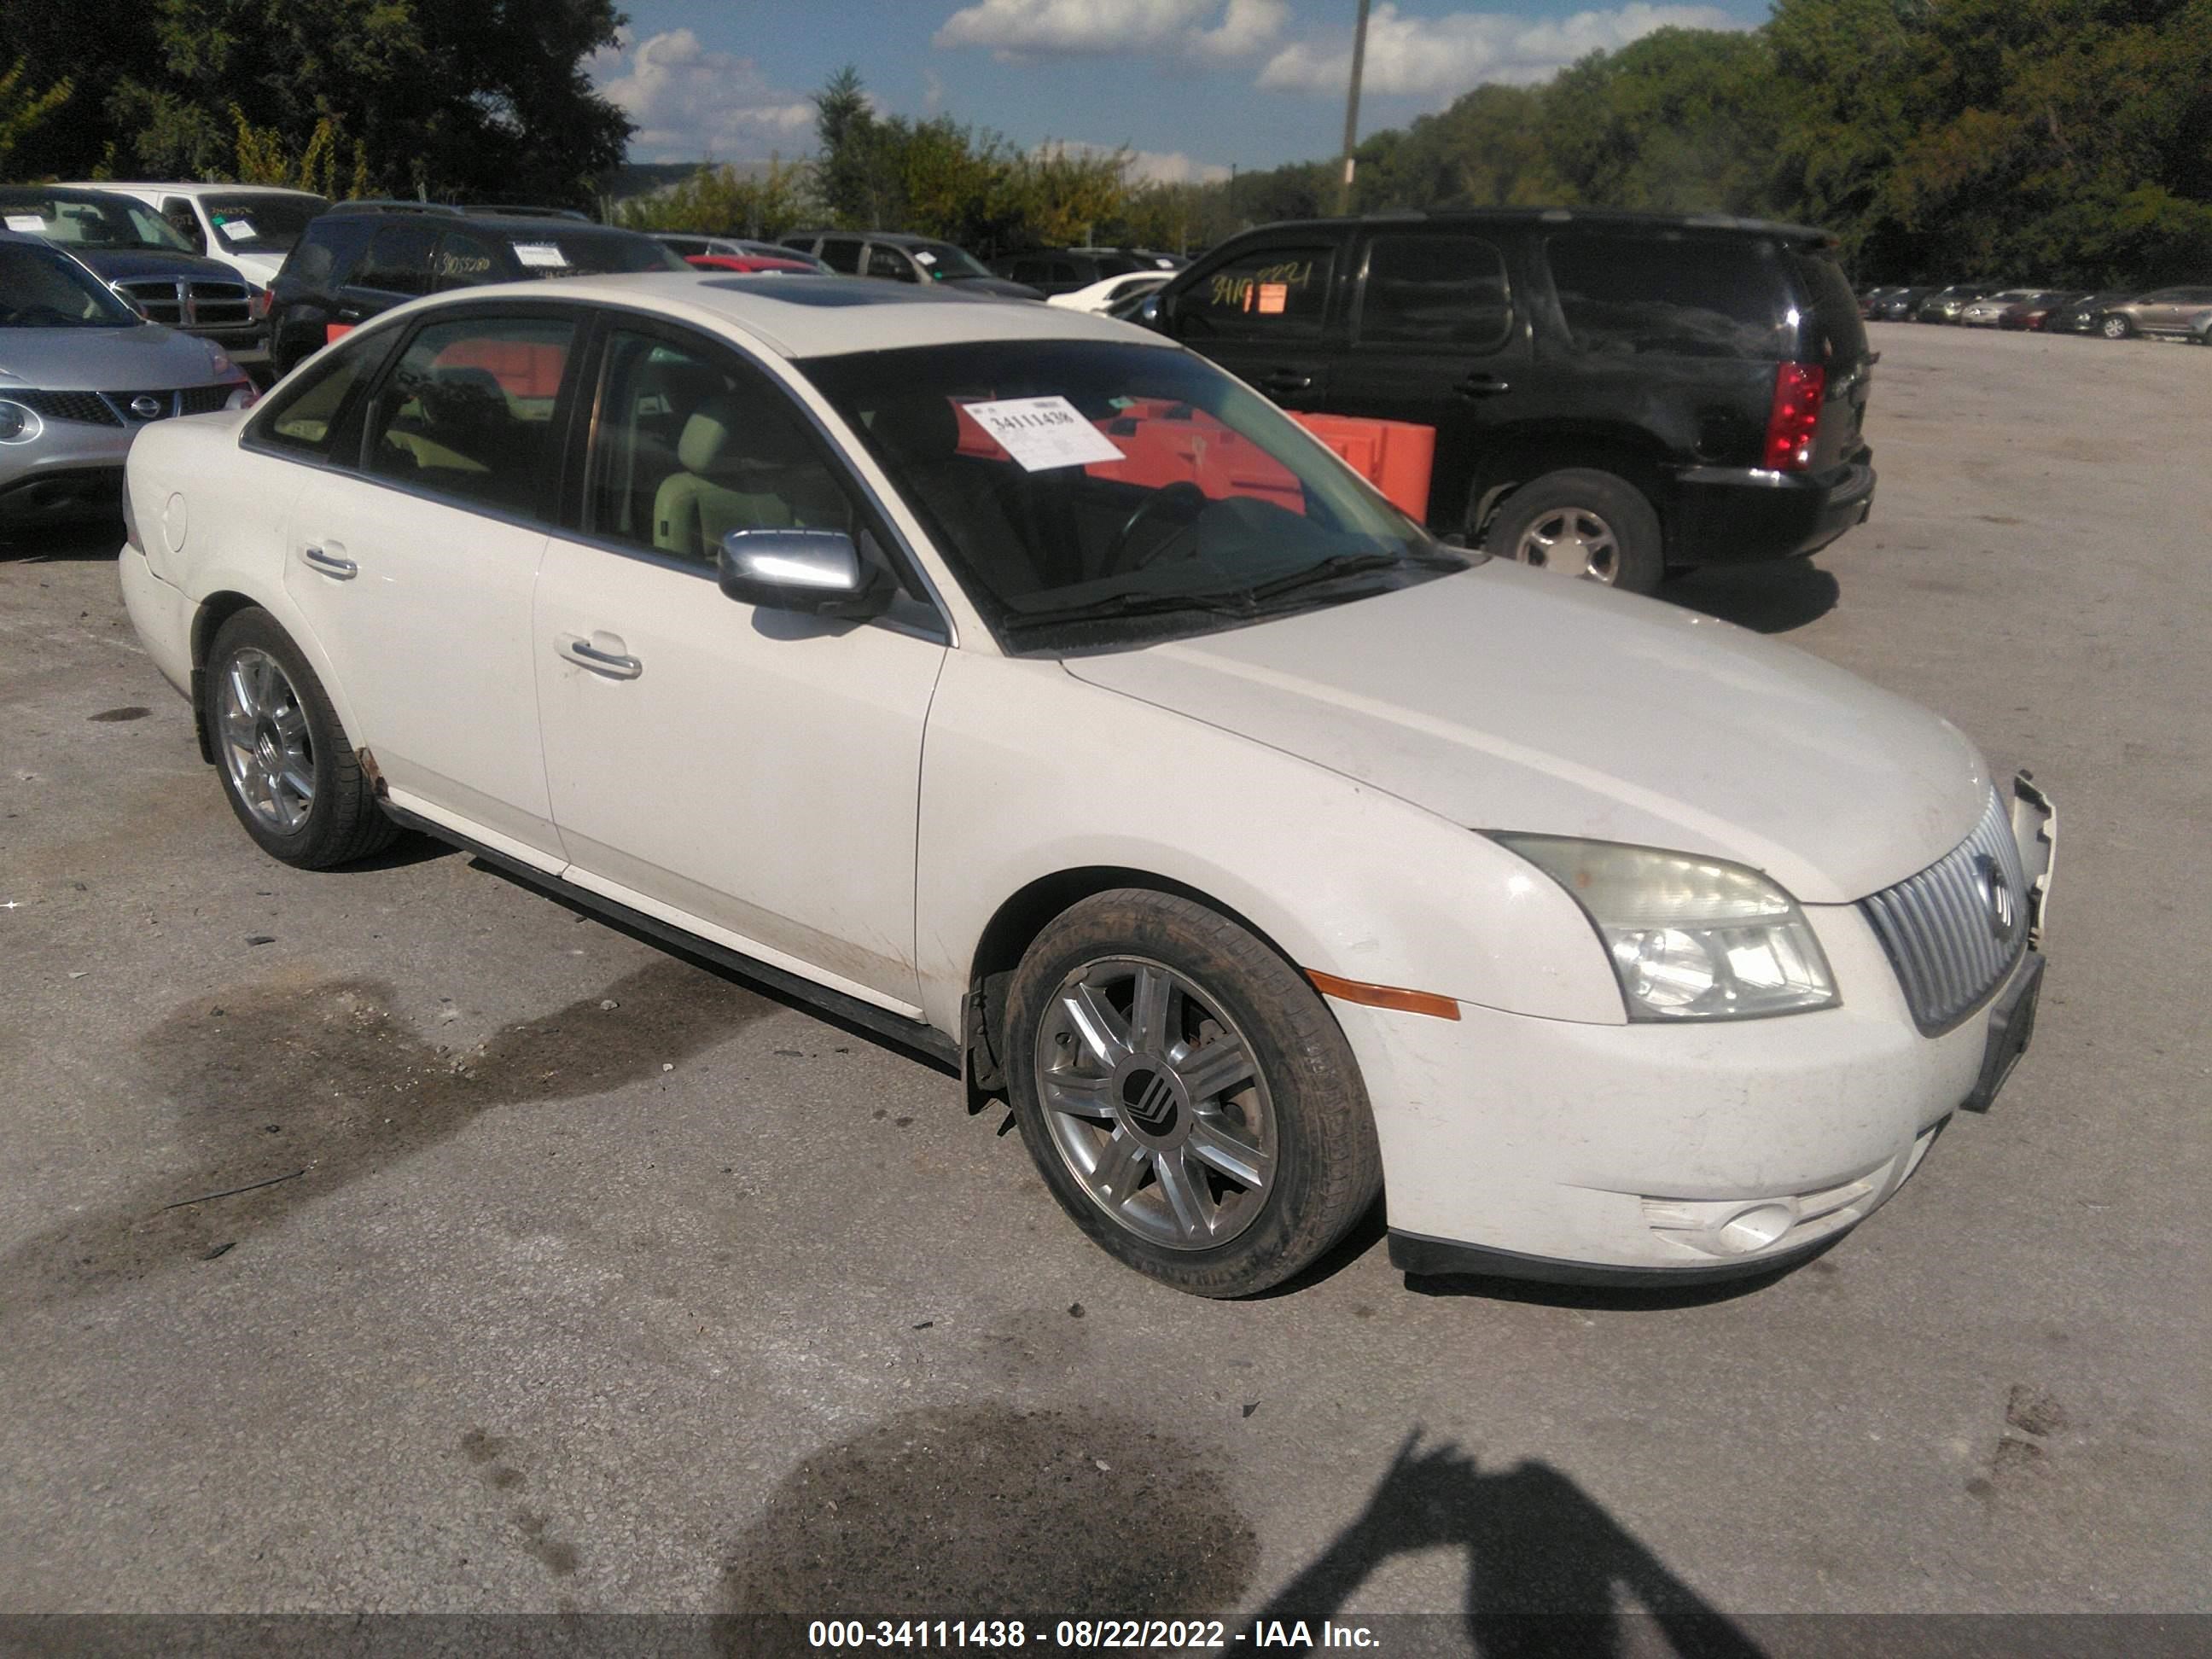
(260, 268)
(1503, 698)
(146, 358)
(123, 264)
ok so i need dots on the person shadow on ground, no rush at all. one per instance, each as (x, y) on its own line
(1547, 1566)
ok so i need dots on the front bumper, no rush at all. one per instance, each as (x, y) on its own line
(1735, 515)
(1675, 1154)
(70, 473)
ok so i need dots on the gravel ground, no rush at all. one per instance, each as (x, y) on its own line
(590, 1279)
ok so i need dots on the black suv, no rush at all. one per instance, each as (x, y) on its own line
(896, 256)
(1613, 393)
(363, 258)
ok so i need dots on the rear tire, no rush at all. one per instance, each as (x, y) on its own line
(1585, 523)
(1187, 1094)
(288, 769)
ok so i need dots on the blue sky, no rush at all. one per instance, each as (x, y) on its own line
(1192, 85)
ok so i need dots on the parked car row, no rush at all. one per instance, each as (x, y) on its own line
(2178, 313)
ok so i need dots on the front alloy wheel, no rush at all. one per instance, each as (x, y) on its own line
(1185, 1094)
(1154, 1104)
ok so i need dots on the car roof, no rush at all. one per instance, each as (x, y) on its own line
(173, 188)
(831, 316)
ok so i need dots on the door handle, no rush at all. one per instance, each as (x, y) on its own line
(612, 664)
(1282, 382)
(1482, 386)
(326, 560)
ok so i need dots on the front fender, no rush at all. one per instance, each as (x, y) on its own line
(1028, 772)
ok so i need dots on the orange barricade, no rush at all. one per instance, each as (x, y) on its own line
(1396, 457)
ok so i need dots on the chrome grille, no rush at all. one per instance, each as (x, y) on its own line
(186, 303)
(1954, 931)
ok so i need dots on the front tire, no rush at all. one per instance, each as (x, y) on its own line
(2115, 328)
(288, 769)
(1187, 1094)
(1582, 522)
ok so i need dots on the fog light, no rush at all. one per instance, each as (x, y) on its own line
(1756, 1228)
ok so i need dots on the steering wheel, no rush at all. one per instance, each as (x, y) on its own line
(1188, 499)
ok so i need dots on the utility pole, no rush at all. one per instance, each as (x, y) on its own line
(1351, 108)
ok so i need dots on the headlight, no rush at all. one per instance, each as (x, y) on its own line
(18, 425)
(1689, 937)
(218, 356)
(242, 397)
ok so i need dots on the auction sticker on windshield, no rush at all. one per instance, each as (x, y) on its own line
(29, 222)
(543, 255)
(1043, 433)
(239, 230)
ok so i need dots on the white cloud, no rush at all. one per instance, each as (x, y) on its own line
(691, 101)
(1015, 28)
(1152, 167)
(1454, 53)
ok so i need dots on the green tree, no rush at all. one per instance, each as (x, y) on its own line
(21, 110)
(463, 97)
(721, 201)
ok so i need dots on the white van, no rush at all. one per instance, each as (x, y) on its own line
(249, 228)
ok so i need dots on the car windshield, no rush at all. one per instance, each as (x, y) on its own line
(1093, 494)
(40, 288)
(261, 224)
(943, 262)
(590, 254)
(97, 223)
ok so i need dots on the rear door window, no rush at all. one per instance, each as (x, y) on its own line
(468, 411)
(466, 261)
(1277, 292)
(1434, 291)
(398, 260)
(1624, 295)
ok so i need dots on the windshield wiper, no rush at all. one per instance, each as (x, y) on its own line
(1140, 605)
(1339, 564)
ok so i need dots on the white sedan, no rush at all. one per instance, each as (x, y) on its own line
(1020, 684)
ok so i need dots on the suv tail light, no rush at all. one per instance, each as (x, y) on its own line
(1794, 421)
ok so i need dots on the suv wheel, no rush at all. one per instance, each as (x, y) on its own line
(287, 768)
(2115, 328)
(1582, 522)
(1187, 1094)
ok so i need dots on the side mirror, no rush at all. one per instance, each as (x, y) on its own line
(818, 572)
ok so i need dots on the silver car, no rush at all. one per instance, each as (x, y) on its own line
(80, 373)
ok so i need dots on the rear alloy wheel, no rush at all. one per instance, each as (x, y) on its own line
(1584, 523)
(290, 775)
(1187, 1094)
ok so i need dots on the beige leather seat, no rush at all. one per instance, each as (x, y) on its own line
(741, 472)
